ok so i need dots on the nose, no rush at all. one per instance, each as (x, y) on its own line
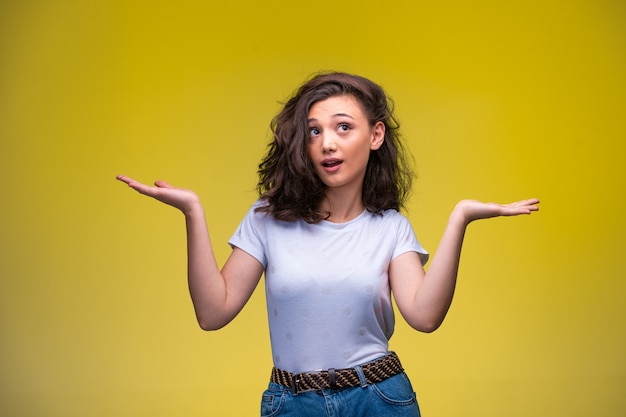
(329, 143)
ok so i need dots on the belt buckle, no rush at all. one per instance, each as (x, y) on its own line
(295, 380)
(295, 385)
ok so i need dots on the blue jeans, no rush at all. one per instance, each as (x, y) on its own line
(391, 397)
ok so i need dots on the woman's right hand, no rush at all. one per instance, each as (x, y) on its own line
(183, 199)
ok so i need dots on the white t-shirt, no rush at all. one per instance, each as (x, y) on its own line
(327, 285)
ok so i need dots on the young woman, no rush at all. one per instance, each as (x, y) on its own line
(328, 235)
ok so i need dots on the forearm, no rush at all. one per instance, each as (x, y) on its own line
(206, 284)
(434, 295)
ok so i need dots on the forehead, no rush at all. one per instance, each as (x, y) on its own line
(337, 105)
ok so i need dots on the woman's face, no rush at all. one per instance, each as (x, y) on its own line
(340, 141)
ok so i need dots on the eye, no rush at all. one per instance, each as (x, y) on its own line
(313, 131)
(344, 127)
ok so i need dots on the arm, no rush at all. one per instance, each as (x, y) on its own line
(217, 295)
(424, 298)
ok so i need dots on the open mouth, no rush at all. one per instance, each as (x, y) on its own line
(331, 162)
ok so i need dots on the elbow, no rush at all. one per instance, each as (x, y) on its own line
(209, 325)
(426, 326)
(210, 320)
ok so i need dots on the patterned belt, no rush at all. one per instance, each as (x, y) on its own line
(375, 371)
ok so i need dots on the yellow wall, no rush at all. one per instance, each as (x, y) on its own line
(499, 101)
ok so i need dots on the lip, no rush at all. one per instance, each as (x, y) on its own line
(331, 164)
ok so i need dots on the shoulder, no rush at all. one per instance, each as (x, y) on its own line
(259, 204)
(392, 216)
(259, 216)
(390, 221)
(257, 210)
(405, 234)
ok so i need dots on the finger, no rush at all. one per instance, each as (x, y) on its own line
(163, 184)
(522, 209)
(143, 188)
(529, 203)
(136, 185)
(124, 179)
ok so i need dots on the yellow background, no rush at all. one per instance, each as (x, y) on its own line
(498, 101)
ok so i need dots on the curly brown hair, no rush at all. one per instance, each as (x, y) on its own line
(288, 183)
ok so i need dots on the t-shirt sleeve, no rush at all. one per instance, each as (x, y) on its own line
(407, 241)
(249, 235)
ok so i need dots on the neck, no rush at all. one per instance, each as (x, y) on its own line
(342, 206)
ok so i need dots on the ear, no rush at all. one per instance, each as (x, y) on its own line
(378, 136)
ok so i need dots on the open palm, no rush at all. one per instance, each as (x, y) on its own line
(475, 210)
(162, 191)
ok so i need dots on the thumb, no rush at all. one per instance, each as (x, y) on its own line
(163, 184)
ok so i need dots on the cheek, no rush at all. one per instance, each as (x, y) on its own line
(364, 153)
(312, 157)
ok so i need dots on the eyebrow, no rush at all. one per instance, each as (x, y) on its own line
(334, 115)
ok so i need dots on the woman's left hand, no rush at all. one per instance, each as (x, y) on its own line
(474, 210)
